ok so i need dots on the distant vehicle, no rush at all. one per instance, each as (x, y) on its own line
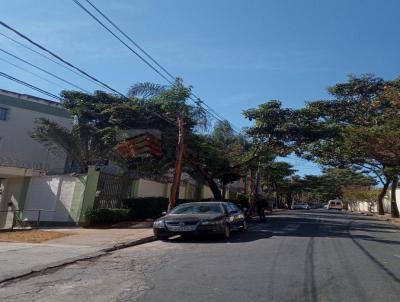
(335, 205)
(192, 218)
(300, 206)
(313, 205)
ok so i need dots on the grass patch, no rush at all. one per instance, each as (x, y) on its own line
(32, 236)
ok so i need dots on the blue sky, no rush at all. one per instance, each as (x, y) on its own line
(236, 54)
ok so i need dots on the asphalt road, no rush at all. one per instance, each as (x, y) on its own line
(296, 256)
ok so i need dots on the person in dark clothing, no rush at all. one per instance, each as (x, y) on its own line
(247, 210)
(261, 205)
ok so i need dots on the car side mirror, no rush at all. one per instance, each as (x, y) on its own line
(163, 213)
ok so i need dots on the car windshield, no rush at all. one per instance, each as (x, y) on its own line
(197, 209)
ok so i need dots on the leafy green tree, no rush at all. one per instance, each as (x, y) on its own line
(218, 157)
(353, 195)
(82, 144)
(275, 177)
(329, 185)
(356, 129)
(101, 114)
(365, 117)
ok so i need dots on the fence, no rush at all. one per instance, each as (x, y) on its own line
(111, 190)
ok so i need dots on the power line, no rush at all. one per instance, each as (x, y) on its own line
(32, 73)
(131, 40)
(58, 57)
(197, 100)
(141, 49)
(76, 68)
(43, 70)
(50, 59)
(7, 76)
(119, 39)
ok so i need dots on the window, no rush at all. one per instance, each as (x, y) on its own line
(3, 114)
(232, 208)
(197, 209)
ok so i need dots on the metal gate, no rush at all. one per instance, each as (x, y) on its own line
(111, 190)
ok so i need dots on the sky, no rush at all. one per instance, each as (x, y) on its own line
(236, 54)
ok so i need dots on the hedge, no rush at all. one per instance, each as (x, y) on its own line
(108, 216)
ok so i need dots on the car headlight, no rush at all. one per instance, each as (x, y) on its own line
(241, 216)
(159, 224)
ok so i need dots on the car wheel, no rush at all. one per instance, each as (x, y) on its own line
(244, 226)
(227, 232)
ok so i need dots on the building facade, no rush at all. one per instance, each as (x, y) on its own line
(21, 157)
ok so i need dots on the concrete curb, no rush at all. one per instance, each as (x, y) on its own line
(127, 244)
(67, 261)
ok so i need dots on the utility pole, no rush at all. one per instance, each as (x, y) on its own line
(178, 165)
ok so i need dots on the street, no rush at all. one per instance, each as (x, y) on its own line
(315, 255)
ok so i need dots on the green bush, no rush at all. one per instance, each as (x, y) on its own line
(147, 207)
(108, 216)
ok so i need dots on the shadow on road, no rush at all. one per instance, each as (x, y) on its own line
(304, 224)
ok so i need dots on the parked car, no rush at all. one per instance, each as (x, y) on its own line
(192, 218)
(300, 206)
(314, 205)
(335, 204)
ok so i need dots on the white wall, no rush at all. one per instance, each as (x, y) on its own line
(191, 191)
(362, 206)
(53, 193)
(207, 193)
(149, 188)
(387, 203)
(187, 190)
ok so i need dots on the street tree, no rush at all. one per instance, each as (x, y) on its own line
(364, 117)
(220, 157)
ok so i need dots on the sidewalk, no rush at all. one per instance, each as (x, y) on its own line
(386, 217)
(20, 259)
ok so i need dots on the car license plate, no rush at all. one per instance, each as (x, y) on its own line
(184, 228)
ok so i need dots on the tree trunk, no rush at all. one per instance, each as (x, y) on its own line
(251, 191)
(211, 183)
(256, 185)
(223, 191)
(210, 180)
(214, 188)
(382, 194)
(393, 203)
(174, 193)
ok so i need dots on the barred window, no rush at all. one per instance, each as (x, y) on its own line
(3, 114)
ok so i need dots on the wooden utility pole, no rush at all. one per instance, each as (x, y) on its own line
(178, 165)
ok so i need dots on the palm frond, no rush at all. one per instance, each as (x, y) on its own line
(145, 90)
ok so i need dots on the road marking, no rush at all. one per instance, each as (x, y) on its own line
(398, 256)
